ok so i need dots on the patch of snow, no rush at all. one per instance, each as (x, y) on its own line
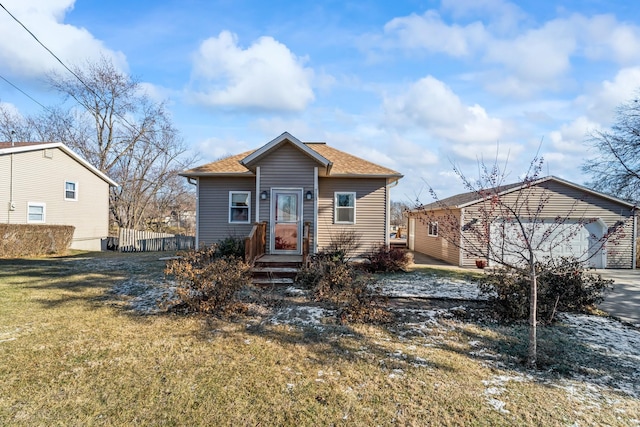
(301, 316)
(416, 284)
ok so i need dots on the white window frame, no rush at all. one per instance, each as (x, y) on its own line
(75, 191)
(248, 207)
(433, 229)
(44, 212)
(336, 207)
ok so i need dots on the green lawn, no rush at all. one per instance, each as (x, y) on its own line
(73, 353)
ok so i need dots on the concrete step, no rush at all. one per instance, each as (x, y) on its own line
(268, 281)
(275, 270)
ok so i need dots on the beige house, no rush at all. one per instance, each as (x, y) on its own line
(579, 216)
(47, 183)
(296, 188)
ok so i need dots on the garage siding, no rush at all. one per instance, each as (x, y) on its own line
(564, 201)
(436, 247)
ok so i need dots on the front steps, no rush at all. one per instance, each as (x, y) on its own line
(276, 270)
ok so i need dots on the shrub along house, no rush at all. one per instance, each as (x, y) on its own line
(303, 195)
(586, 216)
(47, 183)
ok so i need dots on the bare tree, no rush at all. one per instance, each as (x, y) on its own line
(616, 169)
(513, 229)
(115, 126)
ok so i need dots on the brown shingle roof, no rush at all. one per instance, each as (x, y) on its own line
(347, 164)
(20, 144)
(228, 165)
(343, 164)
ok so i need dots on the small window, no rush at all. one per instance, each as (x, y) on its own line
(71, 190)
(239, 206)
(345, 208)
(433, 229)
(36, 212)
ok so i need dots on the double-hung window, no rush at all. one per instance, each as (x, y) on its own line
(36, 213)
(345, 208)
(70, 190)
(239, 207)
(433, 229)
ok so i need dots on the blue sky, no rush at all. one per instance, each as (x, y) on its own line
(413, 85)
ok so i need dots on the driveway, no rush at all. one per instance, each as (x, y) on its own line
(624, 301)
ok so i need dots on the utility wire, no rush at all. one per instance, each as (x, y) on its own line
(89, 88)
(24, 93)
(45, 47)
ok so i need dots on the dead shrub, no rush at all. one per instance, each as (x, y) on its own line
(382, 259)
(331, 279)
(208, 282)
(26, 240)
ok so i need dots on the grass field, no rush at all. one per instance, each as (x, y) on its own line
(74, 352)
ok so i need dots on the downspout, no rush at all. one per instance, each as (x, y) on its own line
(257, 193)
(461, 243)
(12, 205)
(633, 240)
(387, 215)
(315, 210)
(197, 184)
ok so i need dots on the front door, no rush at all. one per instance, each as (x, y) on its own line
(286, 221)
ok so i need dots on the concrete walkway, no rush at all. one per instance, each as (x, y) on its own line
(624, 301)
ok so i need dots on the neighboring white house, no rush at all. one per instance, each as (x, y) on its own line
(47, 183)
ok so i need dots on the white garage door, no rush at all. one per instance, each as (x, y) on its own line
(550, 240)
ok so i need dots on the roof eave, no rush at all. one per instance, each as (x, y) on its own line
(286, 136)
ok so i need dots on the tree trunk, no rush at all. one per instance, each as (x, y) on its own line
(533, 308)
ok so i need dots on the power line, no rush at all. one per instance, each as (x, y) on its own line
(89, 88)
(24, 93)
(45, 47)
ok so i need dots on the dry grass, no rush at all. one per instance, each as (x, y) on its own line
(72, 354)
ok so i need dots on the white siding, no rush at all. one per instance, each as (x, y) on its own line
(40, 178)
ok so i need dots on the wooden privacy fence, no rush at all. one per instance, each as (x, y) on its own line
(149, 241)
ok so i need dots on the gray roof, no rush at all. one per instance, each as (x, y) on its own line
(466, 199)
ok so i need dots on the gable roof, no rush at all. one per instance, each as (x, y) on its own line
(22, 147)
(336, 163)
(277, 142)
(463, 200)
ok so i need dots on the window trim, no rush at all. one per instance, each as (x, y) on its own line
(44, 212)
(248, 207)
(433, 225)
(75, 191)
(336, 207)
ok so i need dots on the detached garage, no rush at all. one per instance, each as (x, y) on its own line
(572, 222)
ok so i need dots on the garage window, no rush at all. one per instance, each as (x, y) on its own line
(433, 229)
(36, 213)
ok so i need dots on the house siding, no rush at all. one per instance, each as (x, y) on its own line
(287, 168)
(435, 246)
(40, 178)
(371, 211)
(213, 201)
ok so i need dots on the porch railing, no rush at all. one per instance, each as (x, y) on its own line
(255, 244)
(305, 242)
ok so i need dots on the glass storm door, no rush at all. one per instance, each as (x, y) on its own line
(286, 235)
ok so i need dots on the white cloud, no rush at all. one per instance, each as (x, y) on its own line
(606, 38)
(501, 15)
(602, 102)
(430, 32)
(21, 55)
(538, 56)
(570, 138)
(433, 106)
(266, 75)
